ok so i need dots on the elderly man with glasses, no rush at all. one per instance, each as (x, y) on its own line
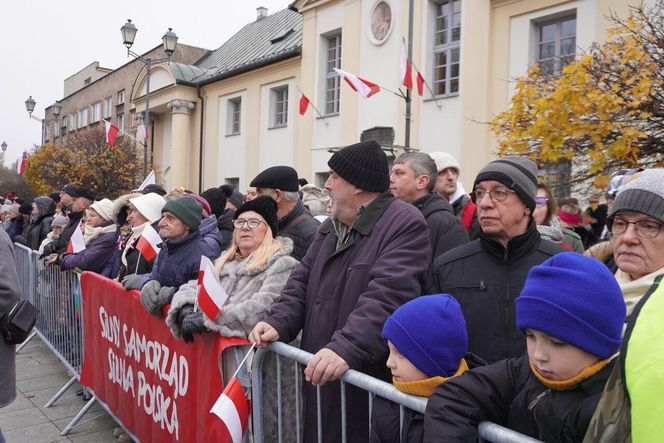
(487, 274)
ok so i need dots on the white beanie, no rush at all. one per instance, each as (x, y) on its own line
(104, 208)
(444, 160)
(149, 205)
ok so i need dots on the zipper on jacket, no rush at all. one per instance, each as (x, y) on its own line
(482, 286)
(533, 405)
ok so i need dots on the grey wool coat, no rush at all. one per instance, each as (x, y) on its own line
(250, 294)
(9, 293)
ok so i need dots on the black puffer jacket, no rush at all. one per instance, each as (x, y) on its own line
(507, 393)
(300, 226)
(445, 230)
(39, 226)
(485, 277)
(225, 225)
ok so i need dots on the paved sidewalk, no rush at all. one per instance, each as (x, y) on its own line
(39, 376)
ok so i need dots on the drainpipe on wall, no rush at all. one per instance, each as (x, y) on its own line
(200, 148)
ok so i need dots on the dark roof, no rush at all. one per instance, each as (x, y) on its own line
(187, 74)
(267, 40)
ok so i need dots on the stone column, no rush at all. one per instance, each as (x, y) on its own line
(180, 137)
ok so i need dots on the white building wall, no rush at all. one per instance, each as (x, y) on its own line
(276, 144)
(232, 148)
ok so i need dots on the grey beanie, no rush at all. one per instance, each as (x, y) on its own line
(59, 221)
(517, 173)
(642, 193)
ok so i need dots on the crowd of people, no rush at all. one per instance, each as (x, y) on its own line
(502, 304)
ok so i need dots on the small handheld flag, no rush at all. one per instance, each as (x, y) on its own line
(148, 243)
(76, 241)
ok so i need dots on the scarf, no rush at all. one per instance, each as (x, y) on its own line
(552, 232)
(424, 388)
(92, 233)
(566, 385)
(633, 290)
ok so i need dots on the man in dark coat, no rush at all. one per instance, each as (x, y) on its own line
(295, 220)
(487, 274)
(43, 209)
(74, 200)
(369, 258)
(412, 180)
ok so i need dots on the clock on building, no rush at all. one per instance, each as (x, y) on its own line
(380, 22)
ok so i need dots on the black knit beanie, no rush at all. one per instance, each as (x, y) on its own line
(265, 207)
(25, 208)
(217, 200)
(188, 210)
(364, 165)
(517, 173)
(277, 177)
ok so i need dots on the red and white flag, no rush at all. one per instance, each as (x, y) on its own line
(420, 84)
(364, 87)
(232, 408)
(22, 163)
(211, 295)
(304, 104)
(142, 132)
(148, 243)
(76, 241)
(406, 75)
(111, 132)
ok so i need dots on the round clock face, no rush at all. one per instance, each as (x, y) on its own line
(381, 22)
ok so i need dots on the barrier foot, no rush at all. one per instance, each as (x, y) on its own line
(79, 416)
(27, 340)
(60, 392)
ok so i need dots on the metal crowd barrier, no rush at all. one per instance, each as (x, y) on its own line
(57, 296)
(487, 431)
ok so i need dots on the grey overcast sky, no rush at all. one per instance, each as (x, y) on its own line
(43, 42)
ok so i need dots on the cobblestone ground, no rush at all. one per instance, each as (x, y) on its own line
(39, 376)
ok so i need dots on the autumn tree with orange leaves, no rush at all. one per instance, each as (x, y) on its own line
(87, 160)
(604, 112)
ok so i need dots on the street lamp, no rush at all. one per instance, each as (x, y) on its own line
(30, 107)
(169, 41)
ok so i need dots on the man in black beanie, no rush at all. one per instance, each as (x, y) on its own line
(487, 274)
(369, 258)
(295, 221)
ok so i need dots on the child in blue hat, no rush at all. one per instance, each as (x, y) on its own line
(427, 341)
(572, 312)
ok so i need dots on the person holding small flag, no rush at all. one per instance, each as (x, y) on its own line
(252, 272)
(74, 200)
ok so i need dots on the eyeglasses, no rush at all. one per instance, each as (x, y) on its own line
(496, 194)
(253, 223)
(644, 228)
(541, 201)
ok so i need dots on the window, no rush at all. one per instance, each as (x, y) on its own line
(233, 118)
(233, 181)
(63, 126)
(556, 44)
(121, 122)
(447, 48)
(321, 178)
(72, 122)
(108, 107)
(87, 81)
(82, 118)
(279, 107)
(121, 97)
(332, 80)
(95, 112)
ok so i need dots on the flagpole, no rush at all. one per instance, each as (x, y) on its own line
(243, 360)
(312, 105)
(198, 290)
(408, 91)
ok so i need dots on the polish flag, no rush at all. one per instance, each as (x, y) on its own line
(148, 243)
(22, 163)
(211, 295)
(232, 407)
(111, 132)
(142, 132)
(149, 180)
(76, 241)
(304, 104)
(364, 87)
(420, 84)
(404, 69)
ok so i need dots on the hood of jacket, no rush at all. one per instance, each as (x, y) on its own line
(45, 205)
(120, 207)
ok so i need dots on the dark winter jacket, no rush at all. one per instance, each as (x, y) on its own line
(300, 226)
(466, 211)
(340, 299)
(211, 237)
(136, 262)
(485, 277)
(15, 228)
(96, 257)
(507, 393)
(445, 230)
(10, 292)
(40, 226)
(60, 245)
(225, 225)
(178, 262)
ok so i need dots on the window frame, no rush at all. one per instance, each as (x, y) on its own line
(234, 116)
(447, 48)
(331, 80)
(557, 58)
(108, 107)
(120, 121)
(279, 97)
(121, 97)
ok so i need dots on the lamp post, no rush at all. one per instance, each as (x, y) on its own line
(169, 41)
(30, 107)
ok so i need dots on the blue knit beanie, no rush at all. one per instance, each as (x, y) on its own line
(430, 332)
(575, 299)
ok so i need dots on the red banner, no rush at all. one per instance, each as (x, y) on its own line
(161, 388)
